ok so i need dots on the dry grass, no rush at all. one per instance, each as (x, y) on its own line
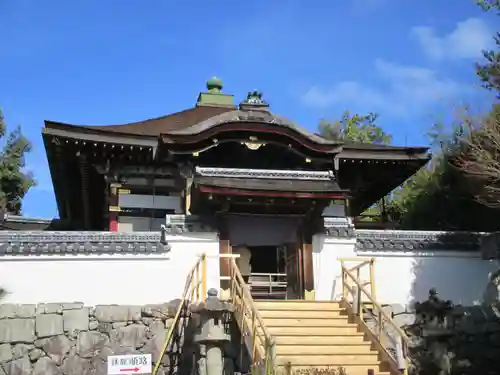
(480, 158)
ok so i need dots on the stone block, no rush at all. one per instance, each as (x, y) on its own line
(49, 308)
(5, 353)
(119, 325)
(105, 327)
(45, 366)
(11, 311)
(56, 347)
(132, 336)
(74, 365)
(21, 366)
(76, 320)
(17, 331)
(163, 310)
(154, 345)
(157, 328)
(49, 325)
(21, 350)
(114, 313)
(135, 313)
(72, 306)
(90, 344)
(35, 354)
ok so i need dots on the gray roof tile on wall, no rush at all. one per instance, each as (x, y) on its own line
(40, 242)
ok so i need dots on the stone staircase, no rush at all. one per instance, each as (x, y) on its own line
(313, 334)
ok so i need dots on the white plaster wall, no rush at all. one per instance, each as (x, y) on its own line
(402, 277)
(109, 279)
(326, 265)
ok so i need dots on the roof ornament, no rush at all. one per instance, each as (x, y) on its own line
(254, 102)
(214, 85)
(255, 97)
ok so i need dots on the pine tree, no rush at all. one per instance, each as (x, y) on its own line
(489, 71)
(14, 180)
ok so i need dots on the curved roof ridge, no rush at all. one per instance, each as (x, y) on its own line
(238, 115)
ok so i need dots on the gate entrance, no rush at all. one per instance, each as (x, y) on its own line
(268, 278)
(270, 254)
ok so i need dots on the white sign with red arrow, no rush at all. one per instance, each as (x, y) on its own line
(131, 364)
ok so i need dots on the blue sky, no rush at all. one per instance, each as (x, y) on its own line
(109, 62)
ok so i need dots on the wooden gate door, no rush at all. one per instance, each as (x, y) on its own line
(293, 271)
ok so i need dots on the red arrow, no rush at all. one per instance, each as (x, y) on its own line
(130, 369)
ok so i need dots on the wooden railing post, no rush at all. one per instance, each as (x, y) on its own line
(197, 282)
(372, 278)
(344, 280)
(355, 300)
(400, 355)
(270, 356)
(398, 361)
(204, 276)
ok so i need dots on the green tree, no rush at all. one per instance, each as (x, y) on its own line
(479, 156)
(437, 196)
(464, 173)
(489, 71)
(14, 180)
(354, 129)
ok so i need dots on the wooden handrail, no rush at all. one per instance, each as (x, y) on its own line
(399, 362)
(357, 266)
(250, 300)
(360, 259)
(376, 305)
(191, 288)
(254, 326)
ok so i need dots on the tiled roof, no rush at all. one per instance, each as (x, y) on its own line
(397, 240)
(152, 127)
(39, 242)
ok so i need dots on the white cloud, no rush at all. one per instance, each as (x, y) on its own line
(466, 41)
(405, 90)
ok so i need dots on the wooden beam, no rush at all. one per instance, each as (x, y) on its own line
(307, 259)
(240, 192)
(84, 185)
(102, 137)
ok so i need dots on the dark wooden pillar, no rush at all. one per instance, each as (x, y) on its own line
(312, 225)
(85, 191)
(293, 270)
(307, 261)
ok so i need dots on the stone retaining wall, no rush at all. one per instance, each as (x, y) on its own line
(470, 347)
(73, 339)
